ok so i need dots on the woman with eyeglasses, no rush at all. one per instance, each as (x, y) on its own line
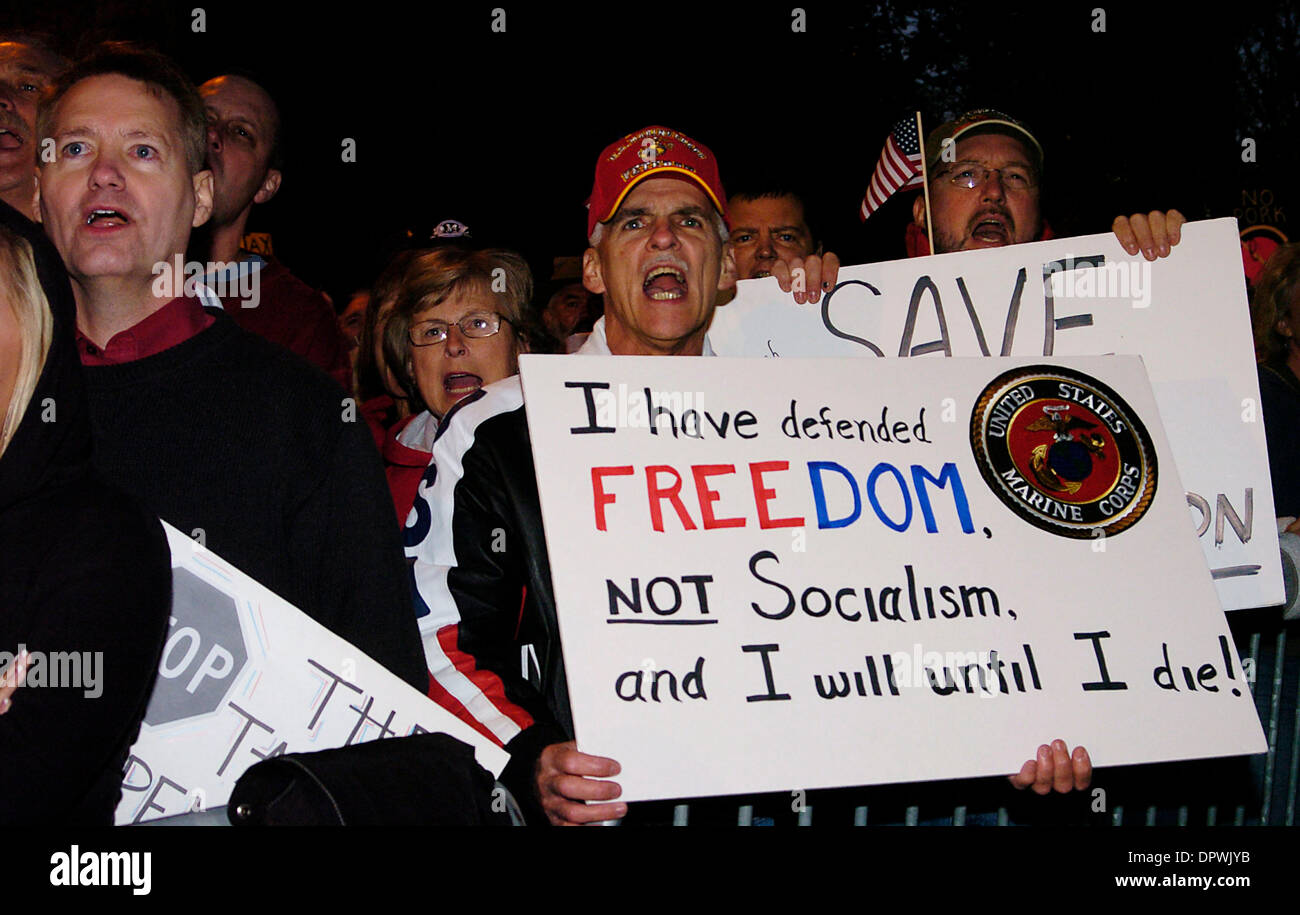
(457, 325)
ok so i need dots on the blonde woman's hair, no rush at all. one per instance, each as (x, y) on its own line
(21, 287)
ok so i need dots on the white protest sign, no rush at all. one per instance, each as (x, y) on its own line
(822, 573)
(246, 676)
(1186, 315)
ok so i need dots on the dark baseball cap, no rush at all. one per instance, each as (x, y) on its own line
(979, 121)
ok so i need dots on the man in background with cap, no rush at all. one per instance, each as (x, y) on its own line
(564, 311)
(985, 170)
(565, 318)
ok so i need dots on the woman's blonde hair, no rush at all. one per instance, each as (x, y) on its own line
(21, 288)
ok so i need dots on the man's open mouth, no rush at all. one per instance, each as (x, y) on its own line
(664, 283)
(105, 218)
(458, 384)
(992, 229)
(9, 139)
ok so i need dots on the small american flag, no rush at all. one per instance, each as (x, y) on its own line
(899, 167)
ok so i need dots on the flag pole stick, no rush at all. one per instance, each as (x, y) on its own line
(925, 184)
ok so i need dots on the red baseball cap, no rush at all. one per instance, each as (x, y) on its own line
(653, 152)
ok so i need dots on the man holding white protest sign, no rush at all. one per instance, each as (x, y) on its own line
(657, 227)
(985, 171)
(812, 574)
(1125, 292)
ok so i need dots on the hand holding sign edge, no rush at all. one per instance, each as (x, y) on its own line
(820, 273)
(565, 779)
(1055, 769)
(1153, 233)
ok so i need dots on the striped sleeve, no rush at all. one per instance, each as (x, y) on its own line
(468, 597)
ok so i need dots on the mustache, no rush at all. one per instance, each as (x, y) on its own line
(13, 122)
(667, 260)
(1001, 212)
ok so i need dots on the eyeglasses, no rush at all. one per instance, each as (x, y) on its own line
(971, 175)
(475, 326)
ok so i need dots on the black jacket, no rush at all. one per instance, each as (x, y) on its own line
(483, 584)
(85, 581)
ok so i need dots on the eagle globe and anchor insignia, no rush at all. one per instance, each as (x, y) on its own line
(1063, 451)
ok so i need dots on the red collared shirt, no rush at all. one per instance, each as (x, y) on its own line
(174, 323)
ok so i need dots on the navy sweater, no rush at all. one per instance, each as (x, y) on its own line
(234, 437)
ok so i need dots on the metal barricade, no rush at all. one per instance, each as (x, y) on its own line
(1239, 791)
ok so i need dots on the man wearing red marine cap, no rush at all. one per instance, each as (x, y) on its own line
(658, 232)
(659, 255)
(653, 309)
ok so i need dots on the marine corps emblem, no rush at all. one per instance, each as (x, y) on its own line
(1063, 451)
(651, 149)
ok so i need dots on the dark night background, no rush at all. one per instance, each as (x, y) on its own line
(501, 130)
